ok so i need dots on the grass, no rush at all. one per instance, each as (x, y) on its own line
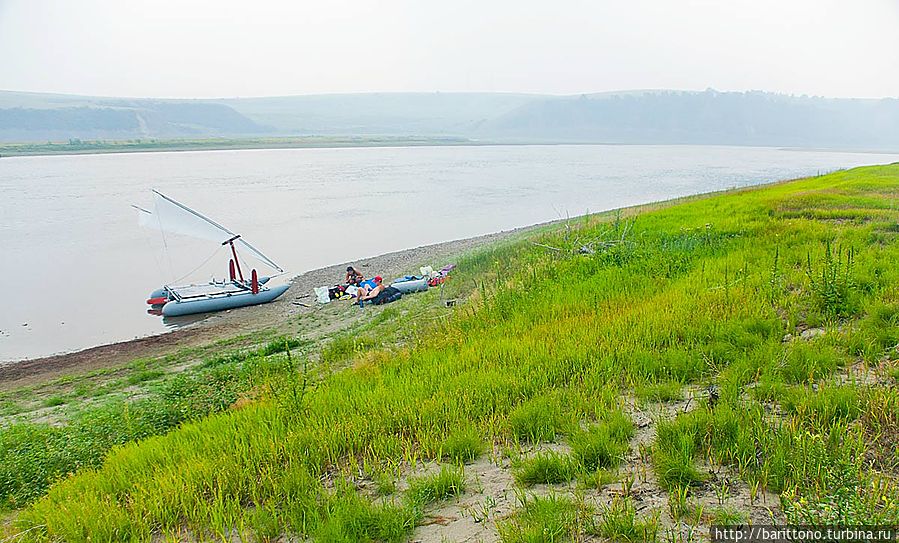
(678, 502)
(463, 446)
(348, 517)
(598, 447)
(427, 489)
(547, 346)
(544, 468)
(619, 521)
(666, 391)
(143, 376)
(385, 483)
(53, 401)
(602, 445)
(823, 407)
(598, 479)
(32, 455)
(724, 516)
(537, 420)
(541, 520)
(809, 362)
(673, 457)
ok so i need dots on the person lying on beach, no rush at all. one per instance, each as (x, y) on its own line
(381, 294)
(369, 293)
(353, 276)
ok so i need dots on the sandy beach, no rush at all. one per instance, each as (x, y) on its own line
(298, 299)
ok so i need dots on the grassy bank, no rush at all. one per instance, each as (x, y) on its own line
(81, 147)
(758, 328)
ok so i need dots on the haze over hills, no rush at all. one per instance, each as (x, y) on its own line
(709, 117)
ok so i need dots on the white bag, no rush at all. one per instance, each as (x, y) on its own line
(322, 294)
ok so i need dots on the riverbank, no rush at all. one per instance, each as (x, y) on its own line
(728, 361)
(277, 317)
(100, 147)
(88, 147)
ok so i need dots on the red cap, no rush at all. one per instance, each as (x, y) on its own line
(378, 278)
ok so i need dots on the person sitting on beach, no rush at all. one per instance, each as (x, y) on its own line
(353, 277)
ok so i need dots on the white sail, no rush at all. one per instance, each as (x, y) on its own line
(175, 218)
(169, 216)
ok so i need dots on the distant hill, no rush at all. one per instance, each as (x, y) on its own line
(710, 117)
(658, 116)
(395, 114)
(32, 118)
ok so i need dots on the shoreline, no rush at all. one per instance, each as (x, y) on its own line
(44, 149)
(233, 322)
(230, 323)
(176, 146)
(298, 299)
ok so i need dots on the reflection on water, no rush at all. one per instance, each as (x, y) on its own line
(179, 321)
(82, 268)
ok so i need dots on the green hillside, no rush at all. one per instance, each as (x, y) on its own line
(633, 376)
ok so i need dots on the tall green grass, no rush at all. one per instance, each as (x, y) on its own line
(541, 520)
(545, 347)
(33, 455)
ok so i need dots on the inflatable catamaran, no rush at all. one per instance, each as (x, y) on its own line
(169, 216)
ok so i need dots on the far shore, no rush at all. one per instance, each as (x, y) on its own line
(102, 147)
(90, 147)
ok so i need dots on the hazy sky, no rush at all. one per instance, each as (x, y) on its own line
(200, 48)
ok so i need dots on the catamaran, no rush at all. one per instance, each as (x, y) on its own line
(169, 216)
